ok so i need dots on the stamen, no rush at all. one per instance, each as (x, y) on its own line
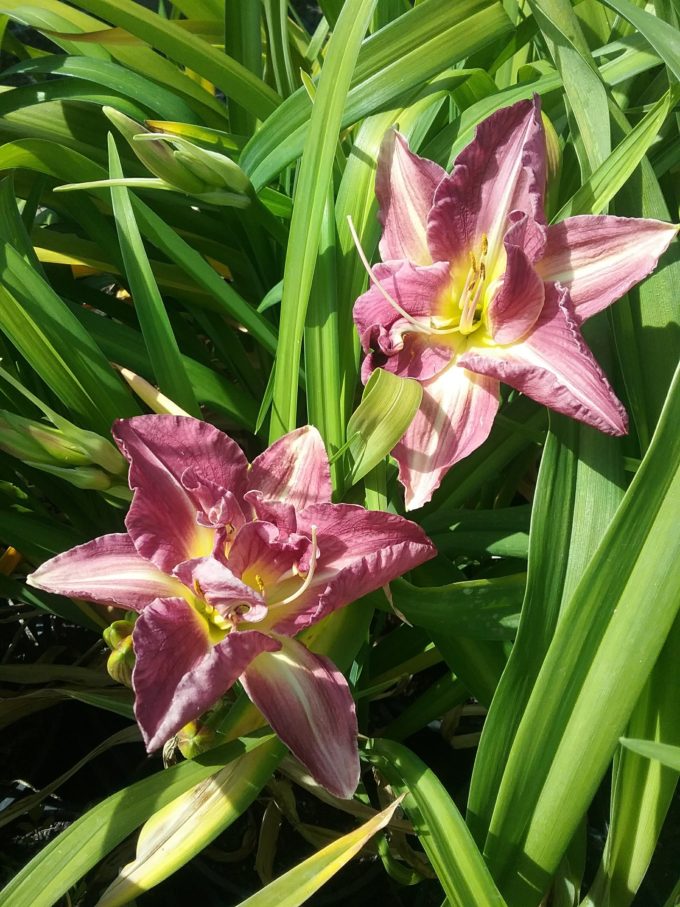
(310, 572)
(467, 318)
(418, 328)
(371, 273)
(197, 589)
(260, 584)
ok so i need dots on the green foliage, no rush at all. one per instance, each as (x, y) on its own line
(553, 600)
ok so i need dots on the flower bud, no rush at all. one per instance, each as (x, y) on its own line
(155, 154)
(182, 165)
(121, 661)
(195, 738)
(553, 150)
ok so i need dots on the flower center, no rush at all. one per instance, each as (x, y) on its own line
(472, 294)
(216, 625)
(467, 314)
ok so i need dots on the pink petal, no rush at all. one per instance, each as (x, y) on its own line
(554, 366)
(405, 185)
(178, 674)
(210, 579)
(501, 170)
(281, 515)
(359, 551)
(307, 702)
(455, 417)
(598, 259)
(420, 357)
(421, 293)
(516, 306)
(161, 449)
(180, 443)
(107, 569)
(294, 470)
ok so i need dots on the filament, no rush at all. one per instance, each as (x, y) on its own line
(310, 573)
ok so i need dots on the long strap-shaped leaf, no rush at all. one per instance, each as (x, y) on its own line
(396, 60)
(298, 884)
(605, 646)
(68, 857)
(180, 830)
(158, 334)
(233, 78)
(440, 827)
(310, 199)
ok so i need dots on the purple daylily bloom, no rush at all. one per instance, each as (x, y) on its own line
(475, 288)
(226, 562)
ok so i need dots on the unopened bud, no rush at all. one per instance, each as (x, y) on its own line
(90, 478)
(552, 149)
(121, 661)
(66, 445)
(153, 398)
(195, 738)
(155, 154)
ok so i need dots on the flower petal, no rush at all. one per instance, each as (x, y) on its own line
(421, 293)
(281, 515)
(294, 470)
(455, 417)
(162, 518)
(306, 700)
(178, 674)
(220, 588)
(359, 551)
(500, 171)
(405, 185)
(263, 559)
(598, 259)
(107, 569)
(516, 306)
(553, 366)
(180, 443)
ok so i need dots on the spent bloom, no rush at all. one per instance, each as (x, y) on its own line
(226, 562)
(475, 288)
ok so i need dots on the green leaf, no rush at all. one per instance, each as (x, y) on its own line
(71, 854)
(192, 263)
(662, 36)
(298, 884)
(440, 827)
(387, 408)
(182, 828)
(603, 650)
(596, 193)
(52, 341)
(157, 331)
(580, 77)
(477, 609)
(392, 63)
(310, 198)
(102, 72)
(652, 749)
(234, 79)
(125, 346)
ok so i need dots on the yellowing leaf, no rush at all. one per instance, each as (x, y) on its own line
(298, 884)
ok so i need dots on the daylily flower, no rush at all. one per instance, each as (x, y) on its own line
(475, 288)
(226, 563)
